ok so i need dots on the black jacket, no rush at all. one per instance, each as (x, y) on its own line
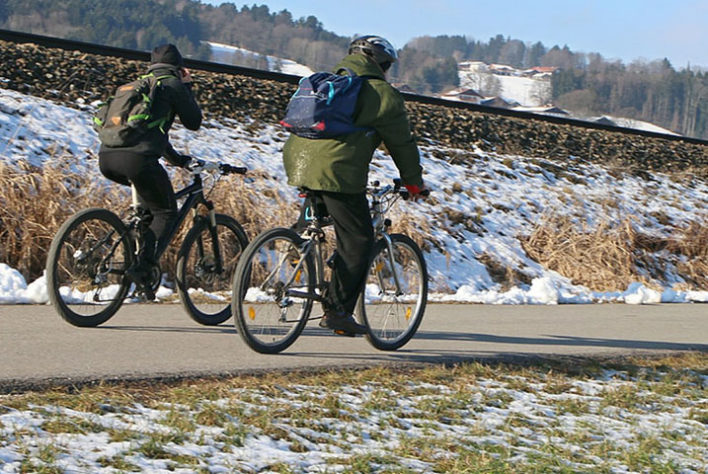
(173, 99)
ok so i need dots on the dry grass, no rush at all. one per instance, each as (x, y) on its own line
(36, 201)
(610, 257)
(253, 204)
(417, 229)
(599, 258)
(692, 242)
(505, 275)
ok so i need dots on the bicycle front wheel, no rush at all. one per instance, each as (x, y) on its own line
(270, 285)
(86, 267)
(396, 292)
(205, 266)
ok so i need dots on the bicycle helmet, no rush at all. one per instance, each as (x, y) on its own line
(377, 48)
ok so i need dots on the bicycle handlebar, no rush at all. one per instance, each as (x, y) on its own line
(378, 191)
(197, 166)
(228, 169)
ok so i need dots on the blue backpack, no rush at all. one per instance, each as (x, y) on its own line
(323, 105)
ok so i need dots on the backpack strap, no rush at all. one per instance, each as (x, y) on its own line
(352, 73)
(347, 70)
(160, 122)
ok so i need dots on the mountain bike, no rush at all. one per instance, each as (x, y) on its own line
(89, 256)
(281, 274)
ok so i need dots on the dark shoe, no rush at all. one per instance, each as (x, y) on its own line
(342, 323)
(146, 294)
(138, 273)
(141, 274)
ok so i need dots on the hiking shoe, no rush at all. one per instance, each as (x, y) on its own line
(342, 323)
(146, 294)
(141, 275)
(138, 274)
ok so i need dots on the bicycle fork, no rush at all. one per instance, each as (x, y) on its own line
(216, 247)
(392, 261)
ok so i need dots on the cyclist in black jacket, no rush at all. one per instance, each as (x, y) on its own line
(139, 164)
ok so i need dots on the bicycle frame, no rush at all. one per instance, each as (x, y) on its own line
(194, 194)
(314, 237)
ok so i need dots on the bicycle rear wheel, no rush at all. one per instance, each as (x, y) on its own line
(203, 283)
(396, 292)
(269, 316)
(86, 267)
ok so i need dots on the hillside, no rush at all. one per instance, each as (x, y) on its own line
(586, 83)
(523, 211)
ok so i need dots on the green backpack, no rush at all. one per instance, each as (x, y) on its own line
(127, 115)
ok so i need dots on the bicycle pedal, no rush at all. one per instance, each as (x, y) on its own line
(143, 298)
(339, 332)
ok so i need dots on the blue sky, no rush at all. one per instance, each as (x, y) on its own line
(617, 29)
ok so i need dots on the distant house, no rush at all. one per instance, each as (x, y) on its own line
(499, 103)
(545, 69)
(539, 71)
(502, 69)
(545, 110)
(464, 95)
(473, 66)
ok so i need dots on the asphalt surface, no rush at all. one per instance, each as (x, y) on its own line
(37, 348)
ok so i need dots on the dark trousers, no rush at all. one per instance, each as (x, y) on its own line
(153, 187)
(355, 239)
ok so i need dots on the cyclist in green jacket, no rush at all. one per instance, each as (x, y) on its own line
(337, 170)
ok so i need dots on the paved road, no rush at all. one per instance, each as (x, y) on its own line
(38, 347)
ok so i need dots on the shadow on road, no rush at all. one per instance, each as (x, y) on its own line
(554, 340)
(546, 340)
(171, 329)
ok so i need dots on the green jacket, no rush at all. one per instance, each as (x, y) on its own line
(342, 164)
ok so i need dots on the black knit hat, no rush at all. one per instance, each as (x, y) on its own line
(167, 54)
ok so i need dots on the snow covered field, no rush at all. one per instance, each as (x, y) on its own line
(507, 194)
(524, 90)
(224, 53)
(472, 418)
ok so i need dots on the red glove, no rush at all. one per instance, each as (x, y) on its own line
(417, 192)
(413, 189)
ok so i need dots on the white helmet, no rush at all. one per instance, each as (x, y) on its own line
(376, 47)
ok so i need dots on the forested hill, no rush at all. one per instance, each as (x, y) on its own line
(585, 84)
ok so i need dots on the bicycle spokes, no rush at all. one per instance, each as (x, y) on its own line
(86, 266)
(205, 267)
(394, 298)
(271, 277)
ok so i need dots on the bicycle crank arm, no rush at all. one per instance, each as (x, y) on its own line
(303, 294)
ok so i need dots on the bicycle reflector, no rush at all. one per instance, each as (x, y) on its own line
(251, 313)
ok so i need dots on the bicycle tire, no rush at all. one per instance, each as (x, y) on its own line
(86, 267)
(205, 292)
(392, 319)
(267, 319)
